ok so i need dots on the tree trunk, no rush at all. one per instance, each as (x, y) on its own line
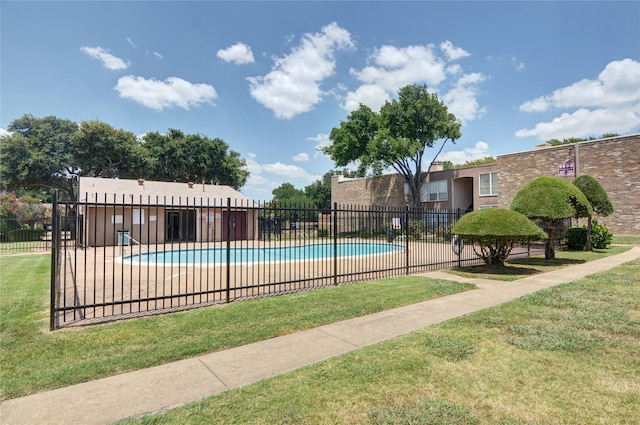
(549, 250)
(588, 246)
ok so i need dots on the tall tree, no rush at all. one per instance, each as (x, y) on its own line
(319, 191)
(396, 137)
(287, 194)
(38, 154)
(180, 157)
(103, 151)
(550, 200)
(598, 199)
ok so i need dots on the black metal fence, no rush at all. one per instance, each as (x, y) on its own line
(17, 237)
(130, 258)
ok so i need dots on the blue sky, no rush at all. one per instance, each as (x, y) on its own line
(273, 78)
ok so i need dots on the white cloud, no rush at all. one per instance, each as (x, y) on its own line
(394, 67)
(158, 95)
(289, 171)
(461, 99)
(321, 141)
(611, 103)
(158, 55)
(518, 64)
(238, 53)
(130, 41)
(367, 94)
(301, 157)
(585, 122)
(4, 132)
(293, 85)
(453, 53)
(108, 60)
(478, 151)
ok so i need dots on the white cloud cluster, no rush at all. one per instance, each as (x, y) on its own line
(610, 103)
(394, 67)
(461, 99)
(321, 140)
(452, 52)
(301, 157)
(478, 151)
(293, 85)
(260, 184)
(108, 60)
(238, 53)
(158, 95)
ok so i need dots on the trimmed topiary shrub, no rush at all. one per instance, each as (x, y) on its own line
(576, 238)
(496, 230)
(551, 200)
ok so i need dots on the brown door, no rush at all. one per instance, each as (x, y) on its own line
(237, 225)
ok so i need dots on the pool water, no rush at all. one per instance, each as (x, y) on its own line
(263, 254)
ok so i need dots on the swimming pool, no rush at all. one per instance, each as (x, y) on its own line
(263, 254)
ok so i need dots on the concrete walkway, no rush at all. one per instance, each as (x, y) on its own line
(164, 387)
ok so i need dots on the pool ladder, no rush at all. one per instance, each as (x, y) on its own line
(122, 247)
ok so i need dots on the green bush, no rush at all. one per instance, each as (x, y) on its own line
(576, 238)
(25, 235)
(323, 233)
(601, 237)
(417, 229)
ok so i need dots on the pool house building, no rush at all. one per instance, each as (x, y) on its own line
(121, 212)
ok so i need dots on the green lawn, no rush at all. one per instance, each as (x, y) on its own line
(566, 355)
(34, 359)
(570, 354)
(523, 267)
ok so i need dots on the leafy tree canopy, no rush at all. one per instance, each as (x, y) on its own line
(558, 142)
(551, 198)
(396, 137)
(448, 165)
(42, 153)
(287, 194)
(598, 199)
(38, 155)
(176, 156)
(595, 193)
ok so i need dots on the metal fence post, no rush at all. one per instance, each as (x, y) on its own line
(335, 243)
(54, 260)
(406, 238)
(228, 224)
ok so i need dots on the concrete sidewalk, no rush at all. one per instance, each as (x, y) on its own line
(164, 387)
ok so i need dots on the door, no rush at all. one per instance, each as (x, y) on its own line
(173, 226)
(237, 225)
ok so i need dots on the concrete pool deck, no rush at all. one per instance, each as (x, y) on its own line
(171, 385)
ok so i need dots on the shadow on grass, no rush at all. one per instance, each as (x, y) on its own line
(517, 268)
(506, 270)
(542, 262)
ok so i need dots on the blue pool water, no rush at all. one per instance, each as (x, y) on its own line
(263, 254)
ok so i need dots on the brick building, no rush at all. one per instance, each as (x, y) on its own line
(614, 162)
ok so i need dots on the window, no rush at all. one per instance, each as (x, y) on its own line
(489, 184)
(434, 191)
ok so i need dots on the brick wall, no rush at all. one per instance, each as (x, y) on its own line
(384, 190)
(614, 162)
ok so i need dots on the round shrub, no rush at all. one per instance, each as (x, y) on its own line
(576, 238)
(495, 230)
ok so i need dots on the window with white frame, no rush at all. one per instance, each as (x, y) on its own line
(488, 184)
(434, 191)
